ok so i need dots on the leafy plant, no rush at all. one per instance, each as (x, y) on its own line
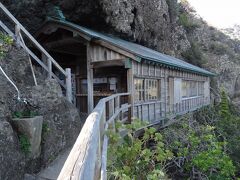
(25, 114)
(194, 55)
(173, 8)
(220, 48)
(198, 151)
(228, 127)
(131, 157)
(187, 23)
(24, 144)
(45, 128)
(5, 41)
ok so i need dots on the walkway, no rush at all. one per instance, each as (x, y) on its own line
(53, 170)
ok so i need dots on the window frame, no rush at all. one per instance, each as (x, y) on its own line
(148, 84)
(192, 89)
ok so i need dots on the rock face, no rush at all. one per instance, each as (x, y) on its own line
(163, 25)
(61, 121)
(11, 158)
(150, 23)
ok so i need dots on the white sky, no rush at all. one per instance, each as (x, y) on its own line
(219, 13)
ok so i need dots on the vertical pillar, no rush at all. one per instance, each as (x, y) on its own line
(69, 85)
(89, 80)
(45, 61)
(49, 62)
(166, 91)
(130, 83)
(17, 34)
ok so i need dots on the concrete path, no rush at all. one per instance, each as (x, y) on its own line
(53, 170)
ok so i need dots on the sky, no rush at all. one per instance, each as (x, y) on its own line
(218, 13)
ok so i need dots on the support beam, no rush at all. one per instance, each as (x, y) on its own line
(63, 42)
(45, 61)
(165, 92)
(50, 69)
(17, 35)
(89, 79)
(130, 84)
(69, 85)
(108, 63)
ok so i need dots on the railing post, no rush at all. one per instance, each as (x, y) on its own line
(17, 35)
(69, 85)
(49, 62)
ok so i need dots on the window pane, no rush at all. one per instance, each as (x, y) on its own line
(184, 89)
(151, 89)
(138, 83)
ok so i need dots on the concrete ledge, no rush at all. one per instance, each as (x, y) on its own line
(32, 128)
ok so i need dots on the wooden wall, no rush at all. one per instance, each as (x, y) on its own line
(100, 53)
(156, 110)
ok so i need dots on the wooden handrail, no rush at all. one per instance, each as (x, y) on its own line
(50, 61)
(28, 35)
(88, 157)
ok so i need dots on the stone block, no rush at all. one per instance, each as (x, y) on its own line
(32, 128)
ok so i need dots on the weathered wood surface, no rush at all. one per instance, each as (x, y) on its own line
(101, 53)
(89, 79)
(87, 160)
(116, 49)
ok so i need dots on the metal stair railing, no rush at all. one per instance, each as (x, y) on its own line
(17, 36)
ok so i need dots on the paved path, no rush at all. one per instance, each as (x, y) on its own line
(53, 170)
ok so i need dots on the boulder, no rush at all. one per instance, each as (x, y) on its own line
(61, 120)
(12, 160)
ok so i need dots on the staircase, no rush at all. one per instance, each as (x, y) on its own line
(48, 65)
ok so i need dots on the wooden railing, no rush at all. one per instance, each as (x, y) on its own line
(189, 104)
(49, 64)
(88, 158)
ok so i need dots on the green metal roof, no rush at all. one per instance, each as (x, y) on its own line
(136, 49)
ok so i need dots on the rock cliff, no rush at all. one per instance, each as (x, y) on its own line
(164, 25)
(61, 120)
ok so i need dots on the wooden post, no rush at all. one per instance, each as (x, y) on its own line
(165, 91)
(17, 35)
(69, 85)
(89, 80)
(130, 83)
(45, 62)
(49, 62)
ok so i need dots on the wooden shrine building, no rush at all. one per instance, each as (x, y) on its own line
(103, 65)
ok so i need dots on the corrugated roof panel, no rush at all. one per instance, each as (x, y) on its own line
(138, 50)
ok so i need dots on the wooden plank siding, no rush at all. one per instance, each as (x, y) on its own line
(163, 107)
(100, 53)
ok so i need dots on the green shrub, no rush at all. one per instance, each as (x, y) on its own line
(219, 48)
(25, 114)
(173, 9)
(133, 158)
(199, 150)
(228, 126)
(186, 22)
(24, 144)
(5, 41)
(194, 55)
